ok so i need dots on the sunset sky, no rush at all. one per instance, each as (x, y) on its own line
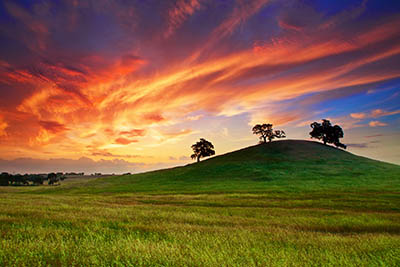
(118, 86)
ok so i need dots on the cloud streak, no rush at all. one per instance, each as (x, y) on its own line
(179, 13)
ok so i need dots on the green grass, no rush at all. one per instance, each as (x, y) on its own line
(288, 203)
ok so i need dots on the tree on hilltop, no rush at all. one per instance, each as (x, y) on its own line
(327, 133)
(202, 149)
(265, 132)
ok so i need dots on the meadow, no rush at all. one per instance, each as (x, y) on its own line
(288, 203)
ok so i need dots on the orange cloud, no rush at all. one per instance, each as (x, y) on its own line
(376, 113)
(3, 126)
(377, 124)
(125, 141)
(380, 113)
(134, 132)
(358, 115)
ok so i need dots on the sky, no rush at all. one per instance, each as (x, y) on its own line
(127, 86)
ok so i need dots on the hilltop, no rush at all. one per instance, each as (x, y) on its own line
(290, 165)
(293, 203)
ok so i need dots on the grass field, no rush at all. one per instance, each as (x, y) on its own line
(288, 203)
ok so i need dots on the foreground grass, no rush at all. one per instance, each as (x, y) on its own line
(283, 204)
(274, 229)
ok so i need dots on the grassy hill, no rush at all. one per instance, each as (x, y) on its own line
(287, 203)
(290, 165)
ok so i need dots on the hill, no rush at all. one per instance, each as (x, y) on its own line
(290, 165)
(286, 203)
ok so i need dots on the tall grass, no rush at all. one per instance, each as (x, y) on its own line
(358, 229)
(276, 205)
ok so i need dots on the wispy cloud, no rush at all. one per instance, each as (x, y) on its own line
(125, 141)
(377, 124)
(376, 113)
(358, 145)
(179, 13)
(362, 145)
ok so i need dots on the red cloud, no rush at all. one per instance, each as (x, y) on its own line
(288, 26)
(53, 126)
(153, 117)
(125, 141)
(134, 132)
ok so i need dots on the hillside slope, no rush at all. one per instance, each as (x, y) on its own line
(289, 165)
(292, 203)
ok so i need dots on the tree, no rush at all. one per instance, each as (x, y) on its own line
(202, 149)
(19, 179)
(265, 132)
(4, 178)
(52, 177)
(327, 133)
(37, 179)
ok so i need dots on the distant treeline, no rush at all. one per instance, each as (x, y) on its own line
(31, 179)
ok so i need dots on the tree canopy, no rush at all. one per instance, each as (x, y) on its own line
(265, 132)
(327, 133)
(202, 149)
(30, 179)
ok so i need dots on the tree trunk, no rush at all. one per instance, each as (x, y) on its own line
(265, 139)
(198, 158)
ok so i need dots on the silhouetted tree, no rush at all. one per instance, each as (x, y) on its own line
(265, 132)
(26, 179)
(327, 133)
(19, 179)
(37, 179)
(60, 176)
(202, 149)
(52, 177)
(4, 178)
